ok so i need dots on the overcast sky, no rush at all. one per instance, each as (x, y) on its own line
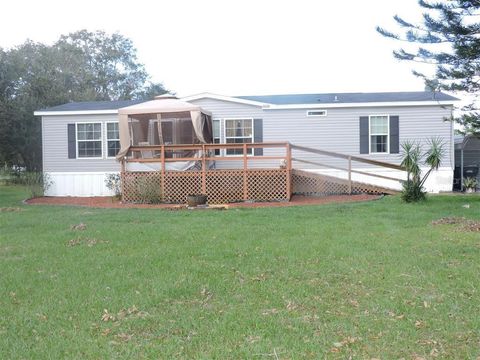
(237, 47)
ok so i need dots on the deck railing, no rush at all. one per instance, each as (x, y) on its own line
(277, 188)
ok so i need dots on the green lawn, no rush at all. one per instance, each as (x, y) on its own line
(366, 280)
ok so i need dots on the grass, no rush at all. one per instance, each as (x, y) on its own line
(360, 280)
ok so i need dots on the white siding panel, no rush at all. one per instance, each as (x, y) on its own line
(78, 184)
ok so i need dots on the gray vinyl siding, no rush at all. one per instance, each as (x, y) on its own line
(55, 145)
(339, 130)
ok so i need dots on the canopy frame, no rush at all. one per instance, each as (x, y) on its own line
(132, 122)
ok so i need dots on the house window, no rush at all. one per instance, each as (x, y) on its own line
(379, 131)
(216, 134)
(113, 139)
(89, 140)
(238, 131)
(316, 112)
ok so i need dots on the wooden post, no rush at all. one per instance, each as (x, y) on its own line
(245, 178)
(289, 170)
(122, 179)
(162, 174)
(461, 169)
(350, 175)
(204, 172)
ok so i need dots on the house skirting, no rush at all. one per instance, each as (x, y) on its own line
(184, 183)
(78, 184)
(438, 181)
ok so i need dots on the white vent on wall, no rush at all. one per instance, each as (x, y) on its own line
(316, 112)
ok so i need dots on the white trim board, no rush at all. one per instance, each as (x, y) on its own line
(75, 112)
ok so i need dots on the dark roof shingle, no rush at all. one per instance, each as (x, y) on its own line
(346, 98)
(93, 105)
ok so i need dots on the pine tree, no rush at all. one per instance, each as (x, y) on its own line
(454, 26)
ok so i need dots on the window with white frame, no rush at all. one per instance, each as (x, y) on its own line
(216, 134)
(238, 131)
(379, 131)
(89, 140)
(113, 139)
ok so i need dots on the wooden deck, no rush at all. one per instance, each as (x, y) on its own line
(236, 184)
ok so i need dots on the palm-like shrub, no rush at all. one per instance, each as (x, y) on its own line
(413, 157)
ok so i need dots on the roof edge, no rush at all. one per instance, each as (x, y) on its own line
(207, 95)
(74, 112)
(362, 104)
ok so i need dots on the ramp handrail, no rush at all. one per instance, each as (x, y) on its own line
(349, 158)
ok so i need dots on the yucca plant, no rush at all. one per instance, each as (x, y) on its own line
(412, 157)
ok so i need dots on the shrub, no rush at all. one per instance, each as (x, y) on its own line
(470, 183)
(149, 190)
(412, 192)
(412, 157)
(37, 183)
(113, 182)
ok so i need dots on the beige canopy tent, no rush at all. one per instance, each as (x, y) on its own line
(163, 121)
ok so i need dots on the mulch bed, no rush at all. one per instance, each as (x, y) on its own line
(109, 202)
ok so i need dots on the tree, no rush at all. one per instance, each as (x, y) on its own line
(80, 66)
(448, 38)
(151, 90)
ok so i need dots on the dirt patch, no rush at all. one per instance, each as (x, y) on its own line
(462, 223)
(85, 241)
(80, 227)
(108, 202)
(449, 220)
(10, 209)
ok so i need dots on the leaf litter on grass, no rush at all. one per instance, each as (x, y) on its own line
(85, 241)
(10, 209)
(78, 227)
(463, 223)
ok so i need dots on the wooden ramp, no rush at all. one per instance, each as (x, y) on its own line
(310, 183)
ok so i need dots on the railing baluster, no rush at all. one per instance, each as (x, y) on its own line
(289, 170)
(162, 174)
(204, 172)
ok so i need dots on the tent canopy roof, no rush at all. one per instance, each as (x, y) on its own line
(161, 104)
(201, 121)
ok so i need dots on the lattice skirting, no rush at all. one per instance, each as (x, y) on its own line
(220, 186)
(308, 183)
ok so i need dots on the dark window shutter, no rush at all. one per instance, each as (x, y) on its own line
(364, 135)
(258, 135)
(72, 145)
(394, 135)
